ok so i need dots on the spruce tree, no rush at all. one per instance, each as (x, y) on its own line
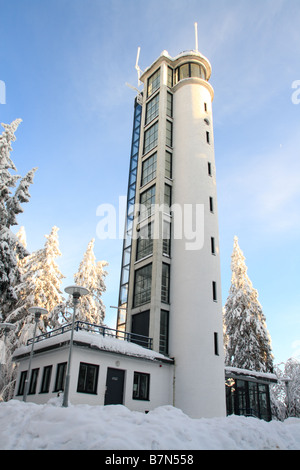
(41, 280)
(91, 275)
(248, 343)
(10, 207)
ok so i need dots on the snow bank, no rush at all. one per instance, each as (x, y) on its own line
(83, 427)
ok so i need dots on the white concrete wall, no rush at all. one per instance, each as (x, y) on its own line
(195, 317)
(161, 377)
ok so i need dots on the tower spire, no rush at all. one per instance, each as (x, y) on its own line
(196, 36)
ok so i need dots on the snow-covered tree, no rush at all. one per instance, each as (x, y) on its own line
(91, 275)
(10, 207)
(248, 343)
(40, 286)
(285, 395)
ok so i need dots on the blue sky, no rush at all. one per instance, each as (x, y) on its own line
(65, 63)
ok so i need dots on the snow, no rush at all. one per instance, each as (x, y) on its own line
(96, 340)
(27, 426)
(262, 375)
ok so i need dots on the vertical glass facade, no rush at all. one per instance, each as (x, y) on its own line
(248, 398)
(127, 243)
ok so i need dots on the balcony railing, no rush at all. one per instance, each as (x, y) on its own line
(141, 340)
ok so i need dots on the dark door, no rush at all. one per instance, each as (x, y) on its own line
(114, 387)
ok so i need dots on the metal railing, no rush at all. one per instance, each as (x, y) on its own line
(141, 340)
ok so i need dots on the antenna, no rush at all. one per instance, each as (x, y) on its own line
(139, 94)
(196, 37)
(137, 67)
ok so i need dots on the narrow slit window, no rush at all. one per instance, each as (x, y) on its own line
(214, 291)
(207, 137)
(216, 344)
(211, 204)
(213, 247)
(209, 169)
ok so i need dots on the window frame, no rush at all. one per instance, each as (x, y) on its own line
(33, 381)
(60, 378)
(146, 168)
(137, 392)
(214, 291)
(152, 80)
(152, 109)
(46, 379)
(144, 246)
(169, 133)
(150, 138)
(148, 203)
(85, 367)
(142, 297)
(165, 283)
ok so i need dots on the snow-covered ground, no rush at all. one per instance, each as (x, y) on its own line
(84, 427)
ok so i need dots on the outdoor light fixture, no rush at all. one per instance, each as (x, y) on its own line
(76, 292)
(38, 311)
(7, 327)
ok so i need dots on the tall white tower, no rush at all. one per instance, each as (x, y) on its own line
(170, 287)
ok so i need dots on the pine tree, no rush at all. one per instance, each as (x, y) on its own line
(40, 286)
(10, 207)
(91, 275)
(247, 337)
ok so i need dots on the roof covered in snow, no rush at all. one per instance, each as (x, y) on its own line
(95, 341)
(264, 376)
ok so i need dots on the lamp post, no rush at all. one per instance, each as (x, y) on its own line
(37, 311)
(76, 292)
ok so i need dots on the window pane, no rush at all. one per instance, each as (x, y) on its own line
(164, 332)
(168, 170)
(170, 77)
(150, 138)
(142, 285)
(141, 386)
(195, 70)
(149, 169)
(152, 109)
(46, 379)
(153, 83)
(166, 238)
(145, 241)
(169, 137)
(33, 381)
(60, 376)
(165, 283)
(147, 201)
(184, 71)
(167, 198)
(169, 104)
(87, 378)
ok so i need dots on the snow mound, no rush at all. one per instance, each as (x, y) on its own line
(27, 426)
